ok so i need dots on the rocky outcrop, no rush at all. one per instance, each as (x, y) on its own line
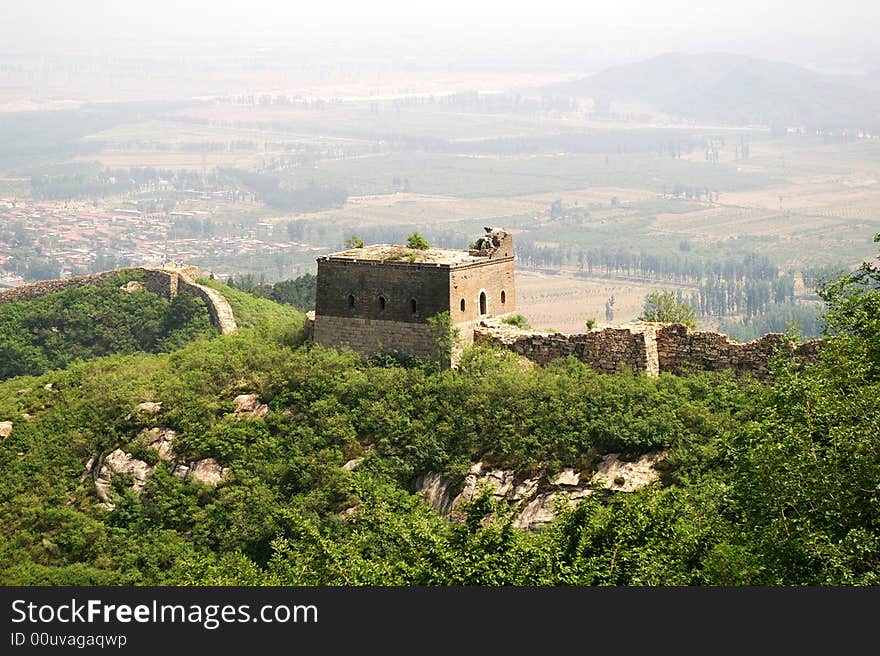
(5, 429)
(538, 499)
(161, 440)
(623, 476)
(149, 407)
(352, 464)
(249, 405)
(132, 286)
(115, 463)
(206, 472)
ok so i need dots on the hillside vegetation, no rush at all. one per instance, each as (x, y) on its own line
(766, 484)
(52, 331)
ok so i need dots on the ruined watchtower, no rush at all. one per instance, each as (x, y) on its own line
(379, 297)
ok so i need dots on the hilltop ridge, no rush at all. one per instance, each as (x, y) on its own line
(735, 89)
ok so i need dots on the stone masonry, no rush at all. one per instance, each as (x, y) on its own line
(166, 282)
(380, 297)
(650, 347)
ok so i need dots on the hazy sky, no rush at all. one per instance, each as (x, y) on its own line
(628, 27)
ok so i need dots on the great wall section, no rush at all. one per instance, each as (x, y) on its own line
(166, 281)
(653, 348)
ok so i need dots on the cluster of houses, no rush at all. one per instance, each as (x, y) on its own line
(75, 234)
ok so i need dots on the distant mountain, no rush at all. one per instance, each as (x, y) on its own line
(734, 89)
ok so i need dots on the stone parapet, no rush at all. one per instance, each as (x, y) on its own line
(650, 347)
(166, 282)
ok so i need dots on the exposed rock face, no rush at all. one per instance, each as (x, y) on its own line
(434, 487)
(119, 462)
(149, 407)
(206, 472)
(5, 429)
(568, 477)
(249, 405)
(132, 286)
(537, 503)
(161, 440)
(352, 464)
(615, 474)
(538, 511)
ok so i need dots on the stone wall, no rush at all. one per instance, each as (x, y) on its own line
(369, 336)
(398, 283)
(218, 307)
(606, 350)
(652, 348)
(680, 349)
(163, 282)
(37, 289)
(494, 278)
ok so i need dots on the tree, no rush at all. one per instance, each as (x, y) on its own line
(354, 242)
(853, 317)
(663, 306)
(416, 240)
(444, 337)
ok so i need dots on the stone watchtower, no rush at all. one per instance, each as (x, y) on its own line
(379, 297)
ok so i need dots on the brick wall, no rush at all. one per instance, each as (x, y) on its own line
(492, 278)
(606, 350)
(162, 282)
(679, 349)
(398, 283)
(369, 336)
(652, 348)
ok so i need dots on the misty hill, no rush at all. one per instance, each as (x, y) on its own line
(734, 89)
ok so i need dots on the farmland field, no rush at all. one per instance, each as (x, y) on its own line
(587, 197)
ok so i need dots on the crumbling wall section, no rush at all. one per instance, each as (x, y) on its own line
(608, 350)
(37, 289)
(680, 349)
(652, 348)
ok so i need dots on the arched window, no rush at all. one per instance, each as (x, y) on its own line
(351, 301)
(483, 303)
(413, 306)
(503, 297)
(382, 303)
(461, 305)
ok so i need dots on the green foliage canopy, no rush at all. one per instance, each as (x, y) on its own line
(663, 306)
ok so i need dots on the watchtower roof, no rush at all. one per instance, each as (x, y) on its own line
(394, 254)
